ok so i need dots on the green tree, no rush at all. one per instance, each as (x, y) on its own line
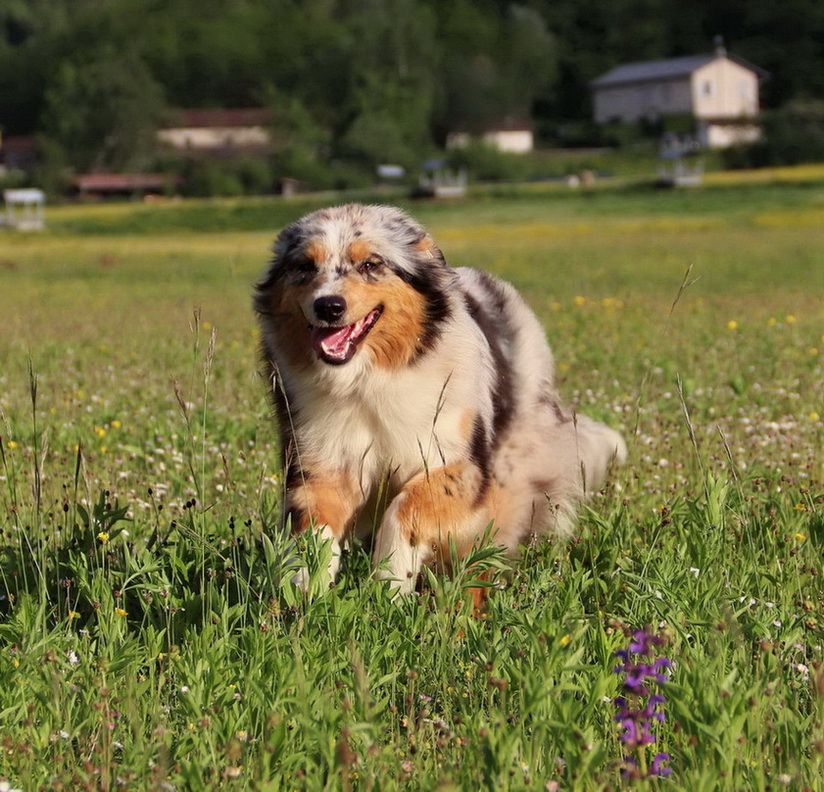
(104, 113)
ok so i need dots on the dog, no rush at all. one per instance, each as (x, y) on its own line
(403, 383)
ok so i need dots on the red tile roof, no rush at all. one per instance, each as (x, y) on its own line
(222, 117)
(122, 182)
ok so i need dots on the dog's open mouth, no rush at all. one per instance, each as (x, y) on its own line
(337, 345)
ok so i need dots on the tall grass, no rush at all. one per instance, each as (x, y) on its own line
(150, 635)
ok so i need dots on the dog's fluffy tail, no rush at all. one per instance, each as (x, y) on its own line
(598, 449)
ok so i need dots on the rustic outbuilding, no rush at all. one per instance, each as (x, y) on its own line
(720, 91)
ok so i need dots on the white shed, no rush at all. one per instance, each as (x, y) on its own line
(24, 209)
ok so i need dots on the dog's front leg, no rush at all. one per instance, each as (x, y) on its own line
(432, 507)
(324, 501)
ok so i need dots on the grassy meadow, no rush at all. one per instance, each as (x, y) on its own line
(150, 637)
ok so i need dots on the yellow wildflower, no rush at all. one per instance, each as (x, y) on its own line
(12, 445)
(119, 612)
(732, 325)
(800, 537)
(565, 640)
(812, 351)
(772, 322)
(73, 615)
(813, 416)
(800, 507)
(99, 431)
(580, 300)
(116, 424)
(790, 319)
(103, 537)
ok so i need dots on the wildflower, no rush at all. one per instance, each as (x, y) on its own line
(580, 300)
(119, 612)
(565, 640)
(800, 537)
(639, 709)
(73, 615)
(812, 351)
(772, 322)
(103, 537)
(790, 319)
(813, 416)
(115, 424)
(72, 657)
(100, 431)
(732, 325)
(12, 445)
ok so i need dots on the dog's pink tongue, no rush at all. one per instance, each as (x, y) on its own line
(332, 341)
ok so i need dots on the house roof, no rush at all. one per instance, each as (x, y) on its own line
(118, 182)
(505, 124)
(222, 117)
(669, 69)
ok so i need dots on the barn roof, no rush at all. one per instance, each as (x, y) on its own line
(222, 117)
(669, 69)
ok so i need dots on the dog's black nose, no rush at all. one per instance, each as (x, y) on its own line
(330, 309)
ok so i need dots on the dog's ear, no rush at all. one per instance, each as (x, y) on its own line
(426, 249)
(286, 243)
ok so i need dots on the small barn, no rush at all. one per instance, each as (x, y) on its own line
(219, 132)
(511, 135)
(720, 91)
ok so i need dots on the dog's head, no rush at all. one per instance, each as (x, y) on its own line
(354, 281)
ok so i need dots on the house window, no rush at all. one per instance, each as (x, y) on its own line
(706, 88)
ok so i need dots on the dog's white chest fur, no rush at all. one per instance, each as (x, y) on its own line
(388, 363)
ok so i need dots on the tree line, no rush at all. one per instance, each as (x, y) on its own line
(358, 80)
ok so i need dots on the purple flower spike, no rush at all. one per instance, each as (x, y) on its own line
(638, 709)
(658, 768)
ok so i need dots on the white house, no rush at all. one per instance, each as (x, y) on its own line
(509, 135)
(220, 131)
(719, 90)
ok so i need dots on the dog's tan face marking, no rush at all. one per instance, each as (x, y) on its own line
(393, 341)
(290, 327)
(316, 251)
(358, 251)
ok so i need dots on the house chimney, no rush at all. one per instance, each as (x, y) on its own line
(718, 45)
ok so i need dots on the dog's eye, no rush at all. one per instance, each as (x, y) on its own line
(305, 270)
(370, 266)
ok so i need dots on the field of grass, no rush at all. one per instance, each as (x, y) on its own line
(150, 636)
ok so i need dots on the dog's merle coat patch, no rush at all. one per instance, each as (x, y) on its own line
(434, 390)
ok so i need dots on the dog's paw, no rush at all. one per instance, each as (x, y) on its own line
(400, 585)
(302, 579)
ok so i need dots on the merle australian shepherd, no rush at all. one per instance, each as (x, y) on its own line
(414, 399)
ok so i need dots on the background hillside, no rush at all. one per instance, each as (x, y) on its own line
(357, 82)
